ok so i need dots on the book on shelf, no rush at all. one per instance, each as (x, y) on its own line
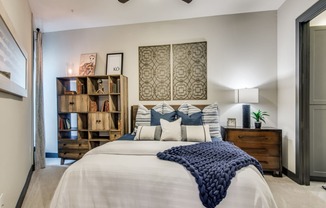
(64, 123)
(119, 105)
(81, 89)
(105, 106)
(118, 85)
(68, 124)
(115, 87)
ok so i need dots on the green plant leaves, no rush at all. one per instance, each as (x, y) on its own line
(259, 115)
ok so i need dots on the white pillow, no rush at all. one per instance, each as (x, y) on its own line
(148, 133)
(196, 133)
(171, 131)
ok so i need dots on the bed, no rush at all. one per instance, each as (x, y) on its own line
(128, 173)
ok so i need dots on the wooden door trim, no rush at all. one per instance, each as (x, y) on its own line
(302, 175)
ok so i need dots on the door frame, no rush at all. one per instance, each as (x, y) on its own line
(302, 175)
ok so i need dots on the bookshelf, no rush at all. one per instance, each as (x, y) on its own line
(92, 110)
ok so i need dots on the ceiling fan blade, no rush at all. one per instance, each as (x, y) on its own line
(124, 1)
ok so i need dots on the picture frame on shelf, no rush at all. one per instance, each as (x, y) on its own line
(87, 64)
(114, 63)
(232, 122)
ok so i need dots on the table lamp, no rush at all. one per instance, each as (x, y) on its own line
(246, 96)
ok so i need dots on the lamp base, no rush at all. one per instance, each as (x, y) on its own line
(246, 116)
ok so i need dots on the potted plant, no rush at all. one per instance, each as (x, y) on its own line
(259, 116)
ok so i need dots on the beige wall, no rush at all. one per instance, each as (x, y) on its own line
(16, 113)
(241, 53)
(286, 72)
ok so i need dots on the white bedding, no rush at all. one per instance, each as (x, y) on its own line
(125, 174)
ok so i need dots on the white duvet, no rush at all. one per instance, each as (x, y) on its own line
(127, 174)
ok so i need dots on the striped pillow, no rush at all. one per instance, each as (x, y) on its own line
(211, 117)
(195, 133)
(143, 116)
(148, 133)
(188, 109)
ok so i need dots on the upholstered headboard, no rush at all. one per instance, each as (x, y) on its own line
(134, 109)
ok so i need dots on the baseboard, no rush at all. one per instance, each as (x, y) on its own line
(51, 155)
(291, 175)
(24, 191)
(317, 178)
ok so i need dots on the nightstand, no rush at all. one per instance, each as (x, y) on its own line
(264, 144)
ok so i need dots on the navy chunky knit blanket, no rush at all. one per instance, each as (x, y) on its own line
(213, 164)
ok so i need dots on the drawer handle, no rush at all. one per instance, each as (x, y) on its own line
(71, 103)
(253, 137)
(256, 150)
(98, 121)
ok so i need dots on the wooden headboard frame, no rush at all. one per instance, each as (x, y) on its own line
(134, 109)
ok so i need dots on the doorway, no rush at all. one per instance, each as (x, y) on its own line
(302, 91)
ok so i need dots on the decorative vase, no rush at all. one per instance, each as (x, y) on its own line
(257, 125)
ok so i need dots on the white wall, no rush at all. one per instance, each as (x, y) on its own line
(286, 73)
(241, 53)
(16, 113)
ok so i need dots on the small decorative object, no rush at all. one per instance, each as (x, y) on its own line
(87, 64)
(93, 106)
(231, 122)
(114, 63)
(100, 88)
(259, 116)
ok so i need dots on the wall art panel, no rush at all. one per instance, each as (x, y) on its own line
(190, 71)
(154, 73)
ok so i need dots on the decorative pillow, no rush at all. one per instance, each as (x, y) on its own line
(196, 133)
(148, 133)
(155, 117)
(194, 119)
(166, 108)
(171, 131)
(143, 116)
(188, 109)
(211, 117)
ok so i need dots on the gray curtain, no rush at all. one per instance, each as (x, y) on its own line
(39, 105)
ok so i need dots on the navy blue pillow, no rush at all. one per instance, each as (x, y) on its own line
(156, 116)
(194, 119)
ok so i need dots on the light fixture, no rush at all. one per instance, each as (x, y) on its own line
(246, 96)
(70, 69)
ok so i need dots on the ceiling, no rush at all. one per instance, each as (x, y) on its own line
(59, 15)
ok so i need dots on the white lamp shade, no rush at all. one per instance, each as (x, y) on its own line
(247, 95)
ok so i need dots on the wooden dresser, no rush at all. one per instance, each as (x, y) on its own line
(263, 144)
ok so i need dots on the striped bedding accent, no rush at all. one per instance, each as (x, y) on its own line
(143, 117)
(210, 116)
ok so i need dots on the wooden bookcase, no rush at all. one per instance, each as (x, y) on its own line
(92, 110)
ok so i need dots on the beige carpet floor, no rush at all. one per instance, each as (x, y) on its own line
(287, 193)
